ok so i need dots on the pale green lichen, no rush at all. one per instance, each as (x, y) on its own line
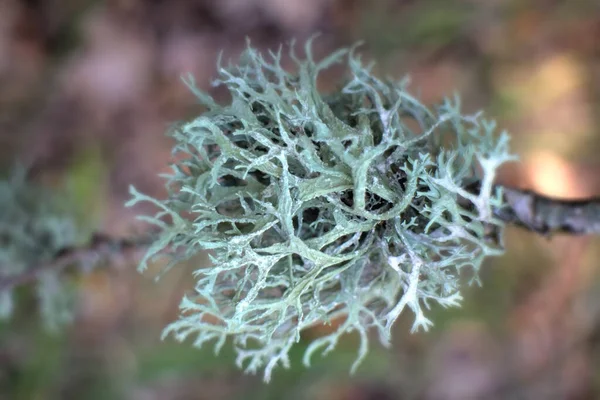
(349, 205)
(35, 224)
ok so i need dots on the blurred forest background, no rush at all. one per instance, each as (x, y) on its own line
(88, 87)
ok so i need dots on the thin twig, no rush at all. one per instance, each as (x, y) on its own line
(100, 248)
(546, 215)
(541, 214)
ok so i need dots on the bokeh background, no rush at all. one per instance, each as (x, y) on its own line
(88, 87)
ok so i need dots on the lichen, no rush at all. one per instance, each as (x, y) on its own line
(35, 224)
(348, 206)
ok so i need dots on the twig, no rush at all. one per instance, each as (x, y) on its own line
(546, 215)
(100, 247)
(541, 214)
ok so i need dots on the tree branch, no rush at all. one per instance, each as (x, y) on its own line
(541, 214)
(546, 215)
(100, 247)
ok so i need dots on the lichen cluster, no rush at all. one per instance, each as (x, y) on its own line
(35, 224)
(348, 206)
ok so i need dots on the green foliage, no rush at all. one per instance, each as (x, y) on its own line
(34, 225)
(350, 205)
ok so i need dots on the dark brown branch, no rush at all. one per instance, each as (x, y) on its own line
(100, 248)
(541, 214)
(546, 215)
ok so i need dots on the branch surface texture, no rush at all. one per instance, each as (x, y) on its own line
(524, 208)
(547, 215)
(101, 249)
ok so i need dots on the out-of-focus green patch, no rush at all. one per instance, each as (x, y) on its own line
(37, 364)
(429, 24)
(173, 359)
(505, 106)
(576, 10)
(293, 383)
(87, 182)
(507, 280)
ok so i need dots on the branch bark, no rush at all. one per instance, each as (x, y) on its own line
(100, 248)
(546, 215)
(541, 214)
